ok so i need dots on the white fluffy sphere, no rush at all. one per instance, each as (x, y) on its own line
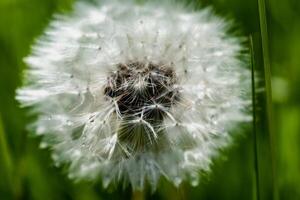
(130, 93)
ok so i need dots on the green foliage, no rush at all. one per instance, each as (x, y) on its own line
(27, 172)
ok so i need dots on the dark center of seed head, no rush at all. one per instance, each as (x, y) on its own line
(137, 87)
(145, 91)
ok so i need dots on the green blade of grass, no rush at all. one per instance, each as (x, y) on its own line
(256, 169)
(268, 88)
(5, 159)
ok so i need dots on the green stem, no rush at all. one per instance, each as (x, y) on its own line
(268, 88)
(5, 157)
(255, 147)
(138, 195)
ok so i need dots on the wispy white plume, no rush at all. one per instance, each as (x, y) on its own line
(131, 93)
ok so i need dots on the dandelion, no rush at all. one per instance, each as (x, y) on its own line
(132, 93)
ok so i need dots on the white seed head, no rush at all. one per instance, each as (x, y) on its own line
(131, 93)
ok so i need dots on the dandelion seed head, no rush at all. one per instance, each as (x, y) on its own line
(132, 93)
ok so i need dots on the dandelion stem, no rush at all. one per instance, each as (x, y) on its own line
(138, 195)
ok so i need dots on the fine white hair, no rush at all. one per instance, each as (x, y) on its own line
(71, 63)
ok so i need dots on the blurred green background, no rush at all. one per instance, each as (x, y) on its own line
(264, 163)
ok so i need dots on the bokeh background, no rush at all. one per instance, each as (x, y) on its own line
(264, 163)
